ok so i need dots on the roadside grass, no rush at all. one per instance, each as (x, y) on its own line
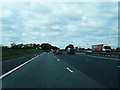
(8, 53)
(87, 50)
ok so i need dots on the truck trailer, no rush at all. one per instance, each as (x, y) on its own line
(101, 48)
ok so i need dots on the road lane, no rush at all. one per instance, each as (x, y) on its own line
(102, 70)
(46, 72)
(19, 66)
(8, 65)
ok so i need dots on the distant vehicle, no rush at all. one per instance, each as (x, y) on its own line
(58, 52)
(53, 50)
(101, 48)
(70, 51)
(107, 48)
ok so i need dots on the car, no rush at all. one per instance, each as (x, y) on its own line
(71, 51)
(58, 52)
(54, 50)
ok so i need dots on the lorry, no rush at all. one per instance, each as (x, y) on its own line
(71, 51)
(101, 48)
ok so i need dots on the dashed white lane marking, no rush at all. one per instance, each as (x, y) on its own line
(118, 66)
(58, 60)
(69, 70)
(54, 56)
(9, 72)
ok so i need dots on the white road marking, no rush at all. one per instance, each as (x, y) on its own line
(69, 69)
(9, 72)
(54, 56)
(118, 66)
(58, 60)
(105, 58)
(116, 59)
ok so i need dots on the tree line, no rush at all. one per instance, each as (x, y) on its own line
(44, 46)
(25, 46)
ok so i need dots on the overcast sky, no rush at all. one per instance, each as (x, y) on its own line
(81, 24)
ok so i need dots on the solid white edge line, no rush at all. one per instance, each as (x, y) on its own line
(105, 58)
(69, 69)
(9, 72)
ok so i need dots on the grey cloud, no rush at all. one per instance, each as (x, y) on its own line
(63, 23)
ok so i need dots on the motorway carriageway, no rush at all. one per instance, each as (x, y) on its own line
(48, 70)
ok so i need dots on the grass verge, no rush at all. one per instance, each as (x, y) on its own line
(8, 53)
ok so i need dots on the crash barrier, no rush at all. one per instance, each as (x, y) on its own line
(116, 54)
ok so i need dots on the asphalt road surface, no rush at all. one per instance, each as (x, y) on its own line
(48, 70)
(7, 65)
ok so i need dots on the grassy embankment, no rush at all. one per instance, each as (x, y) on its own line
(13, 53)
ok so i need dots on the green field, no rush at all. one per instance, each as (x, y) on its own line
(13, 53)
